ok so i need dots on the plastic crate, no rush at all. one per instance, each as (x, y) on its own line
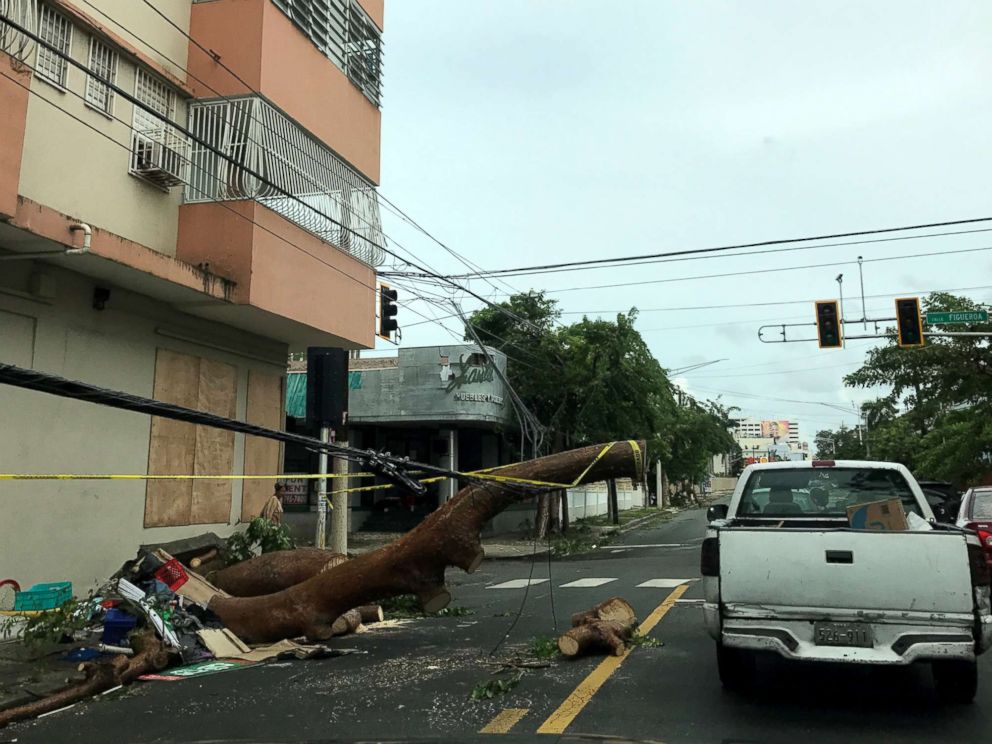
(116, 625)
(43, 596)
(172, 574)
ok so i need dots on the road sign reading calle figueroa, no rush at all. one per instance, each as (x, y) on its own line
(963, 316)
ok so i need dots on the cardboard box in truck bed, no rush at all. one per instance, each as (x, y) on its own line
(887, 515)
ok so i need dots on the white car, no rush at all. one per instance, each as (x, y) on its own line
(785, 573)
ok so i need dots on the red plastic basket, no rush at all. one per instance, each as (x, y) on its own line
(172, 574)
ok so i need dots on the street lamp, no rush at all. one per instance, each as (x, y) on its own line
(840, 288)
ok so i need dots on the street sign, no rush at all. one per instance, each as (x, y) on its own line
(965, 316)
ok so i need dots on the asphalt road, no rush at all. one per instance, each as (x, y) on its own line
(415, 680)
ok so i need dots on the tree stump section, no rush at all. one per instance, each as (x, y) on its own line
(414, 564)
(606, 627)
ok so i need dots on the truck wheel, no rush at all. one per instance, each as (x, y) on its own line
(736, 667)
(955, 681)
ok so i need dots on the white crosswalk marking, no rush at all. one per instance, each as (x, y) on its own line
(582, 583)
(517, 583)
(664, 583)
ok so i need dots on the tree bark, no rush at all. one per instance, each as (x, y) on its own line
(371, 614)
(415, 563)
(614, 506)
(272, 572)
(607, 626)
(150, 656)
(542, 522)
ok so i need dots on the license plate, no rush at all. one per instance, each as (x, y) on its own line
(843, 634)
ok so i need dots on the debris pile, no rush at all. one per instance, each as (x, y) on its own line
(151, 621)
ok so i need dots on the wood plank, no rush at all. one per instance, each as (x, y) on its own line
(172, 443)
(214, 449)
(262, 456)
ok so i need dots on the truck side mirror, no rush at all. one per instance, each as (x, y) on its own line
(717, 511)
(939, 512)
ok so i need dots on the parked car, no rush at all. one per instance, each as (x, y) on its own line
(952, 496)
(784, 573)
(976, 514)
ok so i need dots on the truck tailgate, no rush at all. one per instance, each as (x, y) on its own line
(845, 569)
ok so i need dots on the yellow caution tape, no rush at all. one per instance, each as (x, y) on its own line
(484, 474)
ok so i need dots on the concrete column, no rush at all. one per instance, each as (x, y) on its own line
(450, 462)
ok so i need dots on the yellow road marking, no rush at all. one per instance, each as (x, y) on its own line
(505, 720)
(558, 721)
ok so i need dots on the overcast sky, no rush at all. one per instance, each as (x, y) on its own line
(533, 131)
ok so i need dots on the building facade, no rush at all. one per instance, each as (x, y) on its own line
(445, 406)
(187, 194)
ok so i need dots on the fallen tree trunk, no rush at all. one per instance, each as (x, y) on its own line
(272, 572)
(601, 635)
(415, 563)
(150, 656)
(605, 627)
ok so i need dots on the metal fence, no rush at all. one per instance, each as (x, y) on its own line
(327, 197)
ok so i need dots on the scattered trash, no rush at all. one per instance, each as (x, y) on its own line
(116, 625)
(199, 669)
(172, 574)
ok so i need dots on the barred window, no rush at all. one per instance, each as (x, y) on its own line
(55, 29)
(157, 96)
(103, 64)
(346, 35)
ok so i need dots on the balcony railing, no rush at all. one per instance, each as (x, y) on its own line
(25, 14)
(326, 196)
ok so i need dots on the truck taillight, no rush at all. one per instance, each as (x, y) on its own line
(709, 561)
(979, 566)
(824, 463)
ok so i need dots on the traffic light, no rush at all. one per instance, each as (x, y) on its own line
(828, 330)
(387, 312)
(910, 322)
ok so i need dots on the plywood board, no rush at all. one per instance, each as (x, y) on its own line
(172, 443)
(262, 456)
(214, 449)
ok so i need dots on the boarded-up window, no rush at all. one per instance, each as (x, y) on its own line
(179, 448)
(262, 456)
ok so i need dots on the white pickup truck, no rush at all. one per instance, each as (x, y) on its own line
(783, 572)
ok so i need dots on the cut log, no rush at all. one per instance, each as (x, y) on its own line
(599, 635)
(371, 614)
(347, 623)
(614, 609)
(149, 656)
(203, 558)
(272, 572)
(414, 564)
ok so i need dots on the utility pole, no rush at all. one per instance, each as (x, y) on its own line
(840, 288)
(339, 505)
(320, 538)
(864, 311)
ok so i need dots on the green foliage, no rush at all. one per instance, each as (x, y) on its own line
(52, 625)
(543, 647)
(407, 606)
(596, 380)
(494, 687)
(935, 418)
(645, 641)
(262, 536)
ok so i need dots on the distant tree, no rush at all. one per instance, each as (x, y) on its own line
(936, 416)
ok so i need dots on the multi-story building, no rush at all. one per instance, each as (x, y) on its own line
(781, 430)
(187, 193)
